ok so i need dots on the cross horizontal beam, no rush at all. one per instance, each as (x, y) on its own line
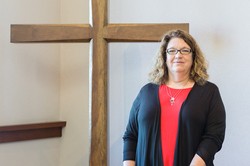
(139, 32)
(33, 33)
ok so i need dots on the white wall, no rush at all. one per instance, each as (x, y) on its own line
(223, 31)
(29, 79)
(74, 102)
(44, 82)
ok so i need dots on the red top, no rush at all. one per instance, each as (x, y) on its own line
(169, 120)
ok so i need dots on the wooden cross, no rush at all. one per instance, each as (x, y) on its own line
(100, 32)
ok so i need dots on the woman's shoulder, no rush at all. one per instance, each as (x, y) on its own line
(150, 87)
(207, 86)
(148, 92)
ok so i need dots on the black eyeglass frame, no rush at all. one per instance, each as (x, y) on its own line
(186, 51)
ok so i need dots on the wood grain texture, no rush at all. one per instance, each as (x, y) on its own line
(98, 153)
(50, 33)
(139, 32)
(33, 131)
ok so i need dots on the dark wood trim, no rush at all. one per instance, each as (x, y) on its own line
(32, 131)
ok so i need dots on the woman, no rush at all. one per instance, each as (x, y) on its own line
(179, 118)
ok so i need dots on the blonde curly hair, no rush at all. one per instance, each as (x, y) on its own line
(198, 72)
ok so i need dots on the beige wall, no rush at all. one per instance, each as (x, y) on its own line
(44, 82)
(29, 82)
(74, 83)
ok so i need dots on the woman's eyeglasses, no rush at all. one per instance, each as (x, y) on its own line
(184, 51)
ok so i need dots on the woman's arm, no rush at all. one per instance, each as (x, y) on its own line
(197, 161)
(131, 135)
(129, 163)
(214, 131)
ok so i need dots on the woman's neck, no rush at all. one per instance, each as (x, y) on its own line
(180, 82)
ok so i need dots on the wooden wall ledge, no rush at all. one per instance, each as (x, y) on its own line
(33, 131)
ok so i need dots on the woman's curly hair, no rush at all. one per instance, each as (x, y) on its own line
(198, 72)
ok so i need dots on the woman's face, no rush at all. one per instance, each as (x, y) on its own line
(179, 61)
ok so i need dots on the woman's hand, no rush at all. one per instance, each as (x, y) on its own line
(197, 161)
(129, 163)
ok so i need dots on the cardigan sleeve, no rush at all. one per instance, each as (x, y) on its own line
(131, 133)
(215, 129)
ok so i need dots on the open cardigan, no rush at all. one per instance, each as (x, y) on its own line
(201, 127)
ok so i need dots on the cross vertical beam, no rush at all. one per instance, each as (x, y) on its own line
(98, 145)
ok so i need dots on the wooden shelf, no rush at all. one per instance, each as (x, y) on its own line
(32, 131)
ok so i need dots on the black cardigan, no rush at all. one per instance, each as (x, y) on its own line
(201, 129)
